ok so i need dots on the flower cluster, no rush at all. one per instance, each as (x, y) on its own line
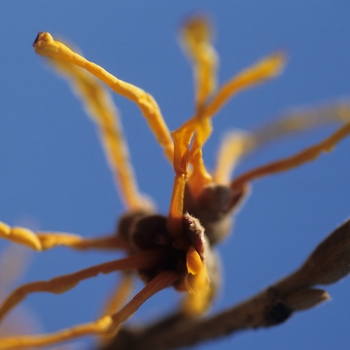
(174, 249)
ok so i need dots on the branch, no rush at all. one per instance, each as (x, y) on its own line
(329, 262)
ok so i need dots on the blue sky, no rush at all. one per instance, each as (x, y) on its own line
(54, 176)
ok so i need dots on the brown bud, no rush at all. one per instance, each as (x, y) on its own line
(214, 208)
(306, 299)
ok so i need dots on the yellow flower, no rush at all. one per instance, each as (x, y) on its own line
(177, 249)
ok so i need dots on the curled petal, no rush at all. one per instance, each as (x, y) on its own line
(194, 262)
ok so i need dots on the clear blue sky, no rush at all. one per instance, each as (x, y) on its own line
(53, 171)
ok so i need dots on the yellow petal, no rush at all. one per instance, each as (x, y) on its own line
(194, 262)
(197, 284)
(263, 70)
(196, 39)
(20, 235)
